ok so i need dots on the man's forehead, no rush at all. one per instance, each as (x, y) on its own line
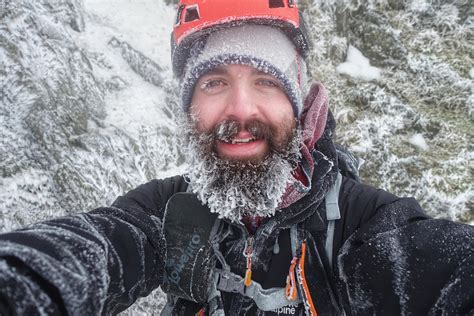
(227, 69)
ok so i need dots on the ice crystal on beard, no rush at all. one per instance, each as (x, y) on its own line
(226, 132)
(234, 189)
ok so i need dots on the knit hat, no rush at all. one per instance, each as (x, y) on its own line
(262, 47)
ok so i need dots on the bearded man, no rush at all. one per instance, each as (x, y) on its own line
(270, 219)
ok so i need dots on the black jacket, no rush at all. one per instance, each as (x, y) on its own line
(389, 257)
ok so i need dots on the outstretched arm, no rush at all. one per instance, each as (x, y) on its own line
(88, 264)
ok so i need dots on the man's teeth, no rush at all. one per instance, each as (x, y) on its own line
(242, 140)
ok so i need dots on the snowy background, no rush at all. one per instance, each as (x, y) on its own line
(88, 101)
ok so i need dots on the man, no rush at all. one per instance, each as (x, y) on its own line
(270, 218)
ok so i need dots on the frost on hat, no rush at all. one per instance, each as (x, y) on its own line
(262, 47)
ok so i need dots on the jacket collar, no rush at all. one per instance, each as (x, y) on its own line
(319, 154)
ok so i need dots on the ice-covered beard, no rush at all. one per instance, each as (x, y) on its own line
(237, 188)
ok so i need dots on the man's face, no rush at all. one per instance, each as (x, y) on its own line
(241, 143)
(246, 109)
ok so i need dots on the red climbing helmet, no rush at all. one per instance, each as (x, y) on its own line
(197, 18)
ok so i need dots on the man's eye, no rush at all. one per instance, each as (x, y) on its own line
(268, 83)
(211, 83)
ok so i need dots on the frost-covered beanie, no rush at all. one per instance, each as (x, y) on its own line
(263, 47)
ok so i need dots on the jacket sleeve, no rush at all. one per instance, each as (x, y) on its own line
(401, 262)
(358, 203)
(96, 263)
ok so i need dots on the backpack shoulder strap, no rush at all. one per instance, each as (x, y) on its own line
(332, 215)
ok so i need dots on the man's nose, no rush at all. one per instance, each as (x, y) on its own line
(242, 104)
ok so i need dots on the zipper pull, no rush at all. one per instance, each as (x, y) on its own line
(248, 252)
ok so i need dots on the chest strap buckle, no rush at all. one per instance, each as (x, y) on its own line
(265, 299)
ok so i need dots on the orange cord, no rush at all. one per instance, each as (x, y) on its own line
(290, 290)
(303, 281)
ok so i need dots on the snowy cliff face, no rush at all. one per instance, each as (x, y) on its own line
(400, 88)
(87, 101)
(49, 98)
(83, 113)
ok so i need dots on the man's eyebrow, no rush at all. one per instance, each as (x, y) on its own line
(255, 71)
(260, 72)
(216, 71)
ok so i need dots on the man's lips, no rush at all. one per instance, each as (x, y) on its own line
(241, 140)
(240, 137)
(242, 146)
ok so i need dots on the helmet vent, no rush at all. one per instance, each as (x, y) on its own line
(276, 3)
(178, 14)
(192, 14)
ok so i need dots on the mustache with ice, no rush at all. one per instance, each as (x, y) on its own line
(228, 131)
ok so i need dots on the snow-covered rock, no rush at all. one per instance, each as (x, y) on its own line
(419, 141)
(358, 66)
